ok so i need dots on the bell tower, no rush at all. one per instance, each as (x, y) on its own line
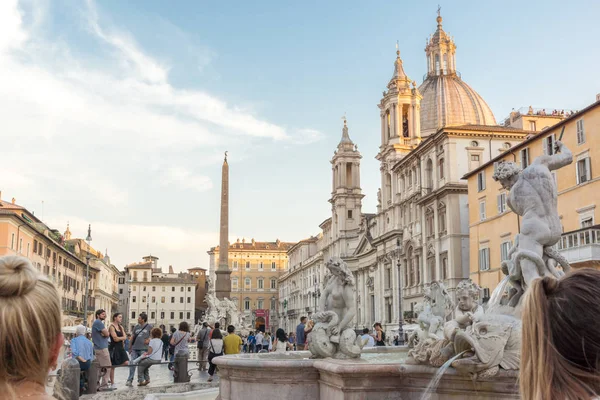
(399, 110)
(346, 194)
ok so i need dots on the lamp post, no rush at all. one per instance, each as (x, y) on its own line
(128, 302)
(88, 239)
(316, 294)
(401, 319)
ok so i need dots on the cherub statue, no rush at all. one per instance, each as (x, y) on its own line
(533, 196)
(467, 309)
(332, 336)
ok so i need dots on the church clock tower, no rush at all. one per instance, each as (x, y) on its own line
(346, 194)
(400, 125)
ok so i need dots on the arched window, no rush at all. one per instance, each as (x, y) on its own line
(389, 123)
(388, 187)
(234, 284)
(429, 230)
(247, 283)
(474, 143)
(437, 64)
(506, 145)
(441, 168)
(247, 303)
(445, 63)
(261, 283)
(429, 173)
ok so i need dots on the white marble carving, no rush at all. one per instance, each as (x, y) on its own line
(533, 196)
(467, 309)
(332, 335)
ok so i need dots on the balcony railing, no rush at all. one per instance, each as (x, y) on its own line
(582, 245)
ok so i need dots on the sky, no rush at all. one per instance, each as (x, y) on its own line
(117, 114)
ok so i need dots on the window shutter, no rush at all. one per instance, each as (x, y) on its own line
(577, 173)
(499, 203)
(545, 145)
(588, 169)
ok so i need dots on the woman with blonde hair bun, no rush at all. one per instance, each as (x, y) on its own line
(30, 336)
(560, 348)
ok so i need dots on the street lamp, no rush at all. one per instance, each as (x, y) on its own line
(316, 294)
(88, 239)
(401, 319)
(128, 311)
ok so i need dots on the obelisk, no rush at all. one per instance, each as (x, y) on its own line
(223, 274)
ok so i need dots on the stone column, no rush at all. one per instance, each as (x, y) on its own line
(223, 274)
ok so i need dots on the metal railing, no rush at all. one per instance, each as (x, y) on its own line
(582, 237)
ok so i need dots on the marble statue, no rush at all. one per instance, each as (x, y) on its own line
(491, 343)
(332, 335)
(467, 309)
(428, 340)
(533, 196)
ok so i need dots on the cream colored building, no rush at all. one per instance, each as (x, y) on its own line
(167, 298)
(255, 267)
(492, 225)
(301, 285)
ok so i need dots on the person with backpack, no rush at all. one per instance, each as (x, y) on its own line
(203, 341)
(215, 350)
(139, 343)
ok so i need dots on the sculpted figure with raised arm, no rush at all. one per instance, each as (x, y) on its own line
(533, 196)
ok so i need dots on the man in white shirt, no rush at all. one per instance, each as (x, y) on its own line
(259, 340)
(367, 339)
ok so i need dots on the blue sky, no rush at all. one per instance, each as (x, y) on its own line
(118, 113)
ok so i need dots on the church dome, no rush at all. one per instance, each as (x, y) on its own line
(447, 99)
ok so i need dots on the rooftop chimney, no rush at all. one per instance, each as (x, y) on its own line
(13, 200)
(171, 269)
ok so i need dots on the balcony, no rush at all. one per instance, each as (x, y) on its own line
(581, 247)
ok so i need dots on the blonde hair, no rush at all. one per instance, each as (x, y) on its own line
(30, 321)
(560, 348)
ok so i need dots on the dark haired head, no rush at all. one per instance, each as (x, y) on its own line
(98, 312)
(217, 334)
(280, 335)
(217, 325)
(230, 329)
(173, 330)
(303, 319)
(377, 324)
(184, 326)
(144, 317)
(116, 315)
(365, 330)
(156, 333)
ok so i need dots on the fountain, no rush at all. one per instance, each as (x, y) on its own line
(479, 351)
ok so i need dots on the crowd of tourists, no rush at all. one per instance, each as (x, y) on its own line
(560, 350)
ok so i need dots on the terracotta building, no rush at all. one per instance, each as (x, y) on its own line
(492, 225)
(200, 276)
(255, 268)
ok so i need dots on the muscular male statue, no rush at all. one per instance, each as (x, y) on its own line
(533, 196)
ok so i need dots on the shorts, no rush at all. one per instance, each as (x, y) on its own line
(103, 357)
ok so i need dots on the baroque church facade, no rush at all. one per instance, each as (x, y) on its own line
(431, 136)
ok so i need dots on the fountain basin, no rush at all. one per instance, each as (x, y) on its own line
(379, 374)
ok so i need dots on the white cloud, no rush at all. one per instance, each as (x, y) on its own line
(185, 179)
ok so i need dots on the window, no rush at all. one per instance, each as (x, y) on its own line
(234, 284)
(524, 157)
(501, 203)
(162, 315)
(133, 299)
(260, 304)
(154, 288)
(260, 266)
(587, 222)
(246, 304)
(145, 277)
(235, 265)
(188, 315)
(549, 144)
(580, 132)
(152, 315)
(181, 289)
(481, 181)
(181, 300)
(133, 314)
(144, 299)
(28, 250)
(482, 215)
(273, 283)
(261, 284)
(484, 259)
(506, 145)
(181, 315)
(272, 304)
(532, 126)
(584, 173)
(162, 299)
(35, 250)
(504, 249)
(189, 300)
(247, 265)
(441, 168)
(120, 291)
(442, 219)
(144, 288)
(247, 283)
(12, 241)
(172, 315)
(172, 299)
(153, 299)
(475, 157)
(172, 288)
(273, 266)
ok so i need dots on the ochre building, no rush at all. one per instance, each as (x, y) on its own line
(493, 226)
